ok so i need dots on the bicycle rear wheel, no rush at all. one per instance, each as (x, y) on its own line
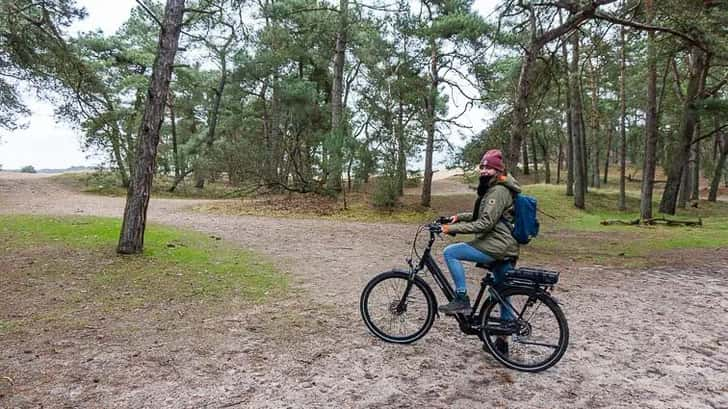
(392, 320)
(533, 326)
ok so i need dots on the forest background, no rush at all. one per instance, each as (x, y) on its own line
(315, 97)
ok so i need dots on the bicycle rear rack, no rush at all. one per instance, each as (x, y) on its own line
(533, 275)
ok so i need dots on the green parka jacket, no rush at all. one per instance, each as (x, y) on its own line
(492, 236)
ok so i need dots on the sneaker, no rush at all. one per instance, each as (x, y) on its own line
(500, 345)
(459, 305)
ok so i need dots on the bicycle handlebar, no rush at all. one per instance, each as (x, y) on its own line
(444, 220)
(435, 229)
(436, 226)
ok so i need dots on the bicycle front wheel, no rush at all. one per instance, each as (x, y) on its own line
(394, 316)
(526, 333)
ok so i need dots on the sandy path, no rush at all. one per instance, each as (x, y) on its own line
(642, 339)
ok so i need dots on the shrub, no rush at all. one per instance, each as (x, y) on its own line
(28, 169)
(414, 178)
(386, 193)
(102, 179)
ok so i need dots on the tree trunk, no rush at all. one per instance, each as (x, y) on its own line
(523, 91)
(681, 151)
(524, 147)
(720, 167)
(560, 160)
(268, 171)
(520, 109)
(175, 149)
(536, 175)
(594, 125)
(272, 170)
(116, 148)
(648, 169)
(580, 177)
(569, 126)
(430, 126)
(199, 176)
(212, 123)
(582, 135)
(695, 174)
(336, 144)
(348, 173)
(131, 240)
(689, 176)
(682, 197)
(622, 203)
(610, 134)
(178, 179)
(570, 151)
(131, 143)
(401, 148)
(546, 159)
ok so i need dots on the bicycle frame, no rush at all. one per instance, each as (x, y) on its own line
(467, 323)
(501, 315)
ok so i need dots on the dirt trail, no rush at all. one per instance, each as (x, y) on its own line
(641, 339)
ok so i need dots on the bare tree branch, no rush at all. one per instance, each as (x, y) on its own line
(148, 11)
(709, 134)
(647, 27)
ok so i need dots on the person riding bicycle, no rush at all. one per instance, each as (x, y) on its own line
(490, 221)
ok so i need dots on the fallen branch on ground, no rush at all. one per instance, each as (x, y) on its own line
(621, 222)
(668, 222)
(653, 221)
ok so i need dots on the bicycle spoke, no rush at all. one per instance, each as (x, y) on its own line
(541, 344)
(401, 326)
(534, 312)
(534, 333)
(395, 315)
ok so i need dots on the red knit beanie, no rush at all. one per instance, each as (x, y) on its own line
(493, 159)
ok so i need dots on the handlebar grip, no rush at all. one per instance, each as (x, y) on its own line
(444, 220)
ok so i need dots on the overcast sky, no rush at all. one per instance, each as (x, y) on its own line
(46, 143)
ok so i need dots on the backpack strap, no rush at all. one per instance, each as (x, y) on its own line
(503, 220)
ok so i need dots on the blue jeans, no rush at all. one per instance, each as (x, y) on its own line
(455, 253)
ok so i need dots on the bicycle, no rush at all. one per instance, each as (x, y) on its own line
(510, 311)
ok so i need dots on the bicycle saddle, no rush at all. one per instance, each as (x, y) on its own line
(512, 260)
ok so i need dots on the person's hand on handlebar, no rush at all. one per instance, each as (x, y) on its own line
(446, 230)
(448, 220)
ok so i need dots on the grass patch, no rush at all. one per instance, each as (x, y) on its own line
(578, 234)
(176, 265)
(601, 204)
(6, 326)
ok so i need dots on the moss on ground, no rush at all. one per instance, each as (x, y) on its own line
(6, 326)
(176, 265)
(579, 235)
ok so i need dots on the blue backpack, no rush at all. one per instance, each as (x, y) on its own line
(525, 225)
